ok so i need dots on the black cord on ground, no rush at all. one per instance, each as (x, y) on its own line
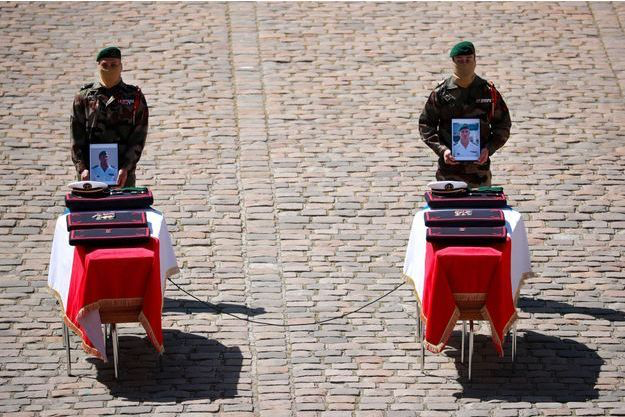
(218, 310)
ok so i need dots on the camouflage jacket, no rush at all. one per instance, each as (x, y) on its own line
(101, 115)
(449, 101)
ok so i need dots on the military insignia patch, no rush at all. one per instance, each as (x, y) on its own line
(104, 216)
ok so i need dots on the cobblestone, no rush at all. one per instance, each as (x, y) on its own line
(284, 152)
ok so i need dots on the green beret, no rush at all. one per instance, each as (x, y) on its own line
(462, 48)
(464, 127)
(109, 52)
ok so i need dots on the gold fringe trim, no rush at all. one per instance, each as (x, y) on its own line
(171, 271)
(90, 350)
(410, 282)
(148, 329)
(493, 331)
(450, 328)
(104, 303)
(56, 295)
(98, 305)
(109, 303)
(470, 296)
(524, 276)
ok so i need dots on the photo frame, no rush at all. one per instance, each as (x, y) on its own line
(103, 162)
(465, 139)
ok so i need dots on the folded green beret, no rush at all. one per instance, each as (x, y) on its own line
(109, 52)
(462, 48)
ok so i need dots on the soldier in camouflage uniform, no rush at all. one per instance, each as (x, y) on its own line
(109, 111)
(464, 95)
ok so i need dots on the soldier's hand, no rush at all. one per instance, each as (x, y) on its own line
(84, 175)
(483, 157)
(122, 175)
(448, 158)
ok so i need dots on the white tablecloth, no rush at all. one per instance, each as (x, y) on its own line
(61, 260)
(520, 268)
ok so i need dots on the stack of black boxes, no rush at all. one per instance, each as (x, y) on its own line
(466, 216)
(108, 217)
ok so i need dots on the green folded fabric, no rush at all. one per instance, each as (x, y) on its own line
(136, 189)
(488, 189)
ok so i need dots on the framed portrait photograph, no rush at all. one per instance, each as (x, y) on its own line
(103, 162)
(465, 139)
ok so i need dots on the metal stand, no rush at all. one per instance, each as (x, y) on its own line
(420, 337)
(470, 347)
(464, 331)
(513, 342)
(115, 353)
(66, 343)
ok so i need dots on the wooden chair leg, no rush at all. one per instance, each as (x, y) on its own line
(115, 347)
(66, 343)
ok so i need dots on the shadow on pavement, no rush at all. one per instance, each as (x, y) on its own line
(547, 369)
(193, 367)
(532, 305)
(194, 306)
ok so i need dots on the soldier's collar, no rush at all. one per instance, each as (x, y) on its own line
(451, 82)
(98, 85)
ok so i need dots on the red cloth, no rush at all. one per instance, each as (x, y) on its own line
(110, 277)
(477, 273)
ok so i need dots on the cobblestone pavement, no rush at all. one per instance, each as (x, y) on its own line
(284, 152)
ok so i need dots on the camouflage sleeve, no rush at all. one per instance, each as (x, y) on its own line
(499, 126)
(136, 141)
(78, 134)
(428, 125)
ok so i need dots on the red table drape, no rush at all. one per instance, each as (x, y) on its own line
(470, 273)
(115, 277)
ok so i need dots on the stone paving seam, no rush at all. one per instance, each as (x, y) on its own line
(261, 73)
(241, 192)
(592, 9)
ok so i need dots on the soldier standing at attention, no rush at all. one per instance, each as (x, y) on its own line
(109, 111)
(464, 95)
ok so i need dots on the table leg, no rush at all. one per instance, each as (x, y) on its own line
(420, 338)
(114, 334)
(513, 342)
(470, 347)
(464, 332)
(66, 343)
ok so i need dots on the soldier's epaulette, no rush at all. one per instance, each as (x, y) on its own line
(132, 87)
(94, 167)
